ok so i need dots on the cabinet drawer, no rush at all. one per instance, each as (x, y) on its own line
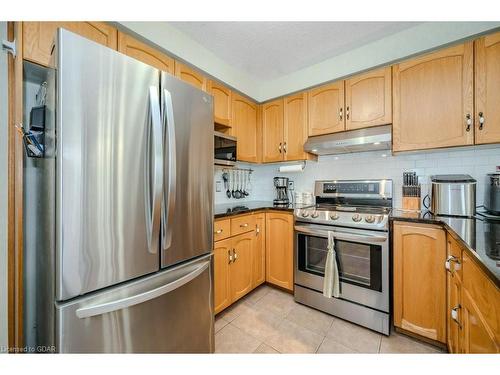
(242, 224)
(222, 229)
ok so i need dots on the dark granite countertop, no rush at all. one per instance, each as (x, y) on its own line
(480, 236)
(238, 208)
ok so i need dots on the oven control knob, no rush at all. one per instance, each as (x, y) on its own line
(305, 214)
(314, 215)
(334, 216)
(370, 219)
(356, 217)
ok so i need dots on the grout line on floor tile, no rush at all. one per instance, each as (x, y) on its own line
(322, 341)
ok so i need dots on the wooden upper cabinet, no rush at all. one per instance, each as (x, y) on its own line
(433, 100)
(222, 292)
(279, 249)
(272, 131)
(145, 53)
(222, 103)
(295, 127)
(38, 37)
(368, 99)
(191, 76)
(420, 279)
(240, 270)
(487, 70)
(326, 109)
(245, 128)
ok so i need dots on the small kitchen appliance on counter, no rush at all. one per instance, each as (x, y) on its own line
(492, 194)
(281, 185)
(453, 195)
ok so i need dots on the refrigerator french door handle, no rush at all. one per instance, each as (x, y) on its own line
(153, 206)
(168, 211)
(103, 308)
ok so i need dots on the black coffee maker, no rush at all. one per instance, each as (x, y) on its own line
(281, 185)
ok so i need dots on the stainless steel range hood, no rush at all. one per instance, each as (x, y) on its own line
(369, 139)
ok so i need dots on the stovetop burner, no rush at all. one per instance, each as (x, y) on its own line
(357, 204)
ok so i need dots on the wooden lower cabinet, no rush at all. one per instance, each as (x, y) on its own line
(480, 311)
(279, 249)
(420, 279)
(454, 313)
(259, 254)
(240, 269)
(222, 294)
(239, 261)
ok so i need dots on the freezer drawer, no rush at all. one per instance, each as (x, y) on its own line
(169, 312)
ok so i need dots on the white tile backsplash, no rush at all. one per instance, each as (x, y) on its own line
(476, 161)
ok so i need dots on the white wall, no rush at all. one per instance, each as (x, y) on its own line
(476, 161)
(3, 192)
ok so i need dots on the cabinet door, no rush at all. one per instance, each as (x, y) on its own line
(222, 103)
(326, 109)
(259, 254)
(191, 76)
(433, 98)
(477, 336)
(38, 37)
(482, 311)
(279, 249)
(272, 131)
(368, 99)
(244, 121)
(222, 293)
(420, 280)
(453, 304)
(240, 270)
(487, 60)
(145, 53)
(295, 127)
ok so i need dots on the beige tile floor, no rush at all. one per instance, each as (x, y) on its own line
(270, 321)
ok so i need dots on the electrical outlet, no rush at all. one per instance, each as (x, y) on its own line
(218, 186)
(290, 185)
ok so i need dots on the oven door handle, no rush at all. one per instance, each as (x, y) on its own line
(341, 235)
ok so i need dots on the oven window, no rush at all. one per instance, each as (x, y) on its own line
(359, 264)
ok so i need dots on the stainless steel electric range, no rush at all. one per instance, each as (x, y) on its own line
(357, 212)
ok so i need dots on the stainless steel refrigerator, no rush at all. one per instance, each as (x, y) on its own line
(124, 226)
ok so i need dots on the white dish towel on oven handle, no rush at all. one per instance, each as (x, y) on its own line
(331, 282)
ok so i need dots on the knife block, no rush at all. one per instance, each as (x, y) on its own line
(411, 203)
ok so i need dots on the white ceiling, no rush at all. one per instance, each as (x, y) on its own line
(269, 50)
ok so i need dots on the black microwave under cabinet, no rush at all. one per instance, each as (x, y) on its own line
(224, 149)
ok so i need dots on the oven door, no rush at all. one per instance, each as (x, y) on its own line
(362, 259)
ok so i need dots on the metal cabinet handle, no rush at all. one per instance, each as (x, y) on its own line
(235, 255)
(468, 122)
(347, 113)
(454, 315)
(340, 113)
(481, 120)
(279, 148)
(449, 260)
(244, 225)
(218, 231)
(229, 256)
(284, 147)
